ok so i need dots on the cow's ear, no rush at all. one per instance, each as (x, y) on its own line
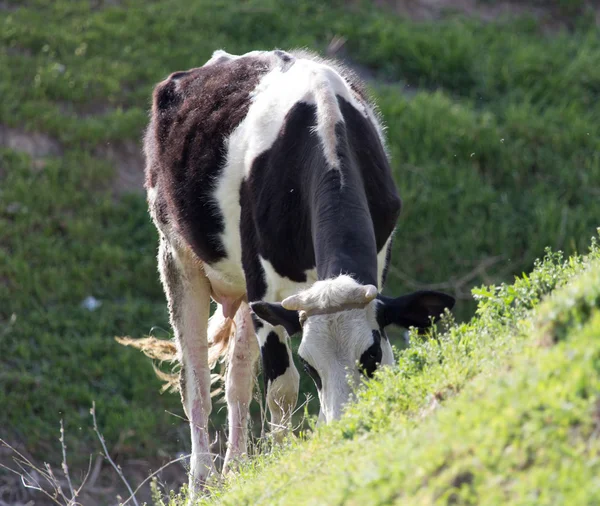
(276, 314)
(412, 310)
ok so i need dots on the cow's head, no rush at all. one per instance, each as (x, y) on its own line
(343, 331)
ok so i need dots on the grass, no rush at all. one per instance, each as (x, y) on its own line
(62, 243)
(504, 409)
(492, 131)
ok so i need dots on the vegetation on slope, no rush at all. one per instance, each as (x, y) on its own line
(502, 410)
(492, 130)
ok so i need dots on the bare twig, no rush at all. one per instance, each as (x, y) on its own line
(108, 457)
(56, 484)
(32, 484)
(85, 477)
(132, 497)
(65, 468)
(185, 419)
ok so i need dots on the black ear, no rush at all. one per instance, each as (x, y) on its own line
(276, 314)
(412, 310)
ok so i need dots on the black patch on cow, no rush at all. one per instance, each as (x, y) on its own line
(193, 114)
(283, 55)
(275, 314)
(286, 59)
(343, 232)
(414, 309)
(312, 372)
(256, 286)
(275, 358)
(354, 220)
(166, 96)
(278, 196)
(304, 213)
(371, 357)
(258, 324)
(368, 155)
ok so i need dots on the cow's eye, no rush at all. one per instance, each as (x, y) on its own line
(372, 356)
(312, 372)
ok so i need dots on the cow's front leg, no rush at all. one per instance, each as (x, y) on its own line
(239, 384)
(281, 377)
(188, 293)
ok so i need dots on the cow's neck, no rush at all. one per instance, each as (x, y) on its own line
(342, 229)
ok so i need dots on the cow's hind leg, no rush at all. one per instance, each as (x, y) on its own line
(188, 293)
(281, 377)
(239, 384)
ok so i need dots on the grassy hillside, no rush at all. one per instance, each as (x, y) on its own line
(502, 410)
(493, 131)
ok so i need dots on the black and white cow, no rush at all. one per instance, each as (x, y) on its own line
(269, 183)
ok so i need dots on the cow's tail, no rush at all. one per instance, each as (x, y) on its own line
(220, 330)
(162, 350)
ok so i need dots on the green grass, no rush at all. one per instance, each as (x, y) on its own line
(502, 410)
(496, 157)
(65, 242)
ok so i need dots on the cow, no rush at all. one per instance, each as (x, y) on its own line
(269, 183)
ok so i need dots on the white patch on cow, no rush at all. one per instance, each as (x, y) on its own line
(381, 261)
(220, 56)
(368, 109)
(227, 197)
(387, 352)
(280, 287)
(226, 278)
(333, 344)
(326, 84)
(151, 195)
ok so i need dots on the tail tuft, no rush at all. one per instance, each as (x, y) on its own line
(220, 330)
(157, 349)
